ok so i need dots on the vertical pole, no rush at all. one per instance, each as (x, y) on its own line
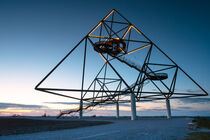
(83, 77)
(133, 103)
(81, 110)
(133, 107)
(168, 108)
(117, 110)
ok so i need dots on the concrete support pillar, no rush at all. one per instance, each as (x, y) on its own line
(133, 107)
(168, 108)
(81, 109)
(117, 110)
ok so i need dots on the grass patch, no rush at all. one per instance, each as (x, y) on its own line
(202, 122)
(198, 136)
(9, 126)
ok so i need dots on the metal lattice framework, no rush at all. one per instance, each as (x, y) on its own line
(111, 39)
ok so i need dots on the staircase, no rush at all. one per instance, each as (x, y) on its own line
(92, 104)
(95, 103)
(86, 106)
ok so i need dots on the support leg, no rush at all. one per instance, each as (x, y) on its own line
(133, 107)
(168, 108)
(81, 109)
(117, 110)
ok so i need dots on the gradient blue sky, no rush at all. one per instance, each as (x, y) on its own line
(36, 34)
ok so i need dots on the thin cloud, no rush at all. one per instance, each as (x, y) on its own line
(13, 105)
(125, 105)
(195, 91)
(63, 103)
(77, 103)
(160, 110)
(184, 108)
(195, 100)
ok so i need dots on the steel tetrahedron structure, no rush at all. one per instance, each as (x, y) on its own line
(132, 69)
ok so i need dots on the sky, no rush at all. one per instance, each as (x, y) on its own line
(36, 34)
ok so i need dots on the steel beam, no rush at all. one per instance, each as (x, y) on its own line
(83, 78)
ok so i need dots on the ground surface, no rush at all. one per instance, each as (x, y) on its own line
(123, 129)
(12, 126)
